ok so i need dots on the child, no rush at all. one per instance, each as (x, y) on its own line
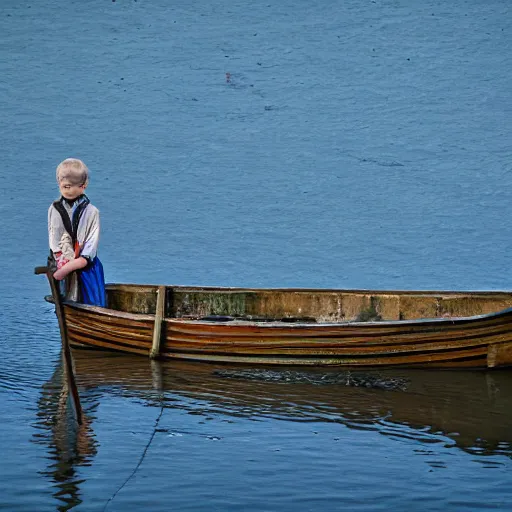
(74, 229)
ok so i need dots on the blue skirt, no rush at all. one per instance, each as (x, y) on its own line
(92, 284)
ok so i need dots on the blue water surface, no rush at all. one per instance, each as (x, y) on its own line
(333, 144)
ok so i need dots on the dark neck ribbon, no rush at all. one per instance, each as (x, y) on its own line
(71, 225)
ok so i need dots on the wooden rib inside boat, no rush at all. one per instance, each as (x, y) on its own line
(349, 328)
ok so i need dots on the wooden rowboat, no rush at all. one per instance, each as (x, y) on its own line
(349, 328)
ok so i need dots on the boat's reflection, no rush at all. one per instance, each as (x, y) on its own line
(472, 409)
(467, 410)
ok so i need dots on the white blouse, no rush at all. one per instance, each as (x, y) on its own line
(88, 234)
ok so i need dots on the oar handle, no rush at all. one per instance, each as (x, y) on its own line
(41, 270)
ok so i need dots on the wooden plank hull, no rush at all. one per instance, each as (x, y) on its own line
(483, 341)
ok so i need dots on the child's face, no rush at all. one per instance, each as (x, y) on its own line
(69, 190)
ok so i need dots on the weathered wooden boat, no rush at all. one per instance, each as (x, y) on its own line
(349, 328)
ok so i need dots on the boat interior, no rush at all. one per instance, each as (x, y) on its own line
(303, 305)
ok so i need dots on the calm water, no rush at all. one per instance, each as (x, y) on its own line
(331, 144)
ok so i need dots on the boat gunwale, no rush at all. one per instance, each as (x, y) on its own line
(108, 311)
(419, 293)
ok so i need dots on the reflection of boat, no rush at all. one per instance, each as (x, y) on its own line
(300, 327)
(470, 408)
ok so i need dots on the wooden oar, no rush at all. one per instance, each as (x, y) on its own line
(68, 358)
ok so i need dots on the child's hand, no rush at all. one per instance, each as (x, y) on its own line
(60, 260)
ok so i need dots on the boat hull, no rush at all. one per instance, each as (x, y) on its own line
(482, 341)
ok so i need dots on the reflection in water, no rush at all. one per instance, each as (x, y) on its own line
(70, 445)
(467, 410)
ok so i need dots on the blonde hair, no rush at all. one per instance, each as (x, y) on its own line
(74, 170)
